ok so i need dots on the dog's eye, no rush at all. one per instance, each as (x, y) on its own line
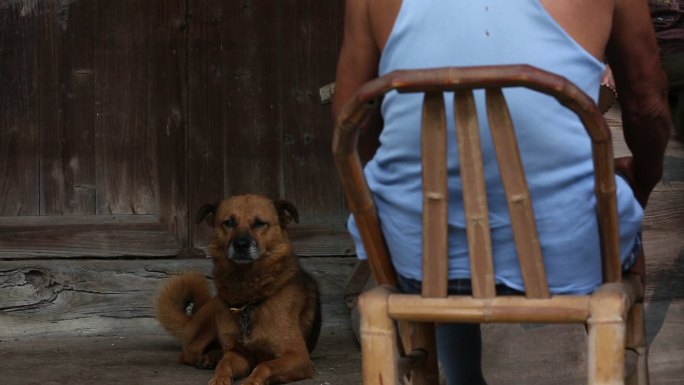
(230, 223)
(258, 223)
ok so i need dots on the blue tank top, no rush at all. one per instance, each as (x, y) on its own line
(556, 151)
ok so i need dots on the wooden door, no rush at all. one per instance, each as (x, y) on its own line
(120, 119)
(93, 129)
(255, 117)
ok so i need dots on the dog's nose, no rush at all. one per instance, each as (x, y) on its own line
(242, 243)
(242, 249)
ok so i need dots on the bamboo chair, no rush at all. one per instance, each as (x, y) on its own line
(397, 330)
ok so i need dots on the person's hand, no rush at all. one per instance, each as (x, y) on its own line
(623, 167)
(607, 78)
(607, 91)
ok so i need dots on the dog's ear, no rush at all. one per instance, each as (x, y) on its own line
(204, 211)
(287, 213)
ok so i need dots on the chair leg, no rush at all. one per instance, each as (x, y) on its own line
(636, 342)
(607, 329)
(423, 338)
(379, 352)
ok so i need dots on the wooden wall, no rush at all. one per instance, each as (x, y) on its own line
(119, 119)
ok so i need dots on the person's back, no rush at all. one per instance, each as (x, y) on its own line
(434, 33)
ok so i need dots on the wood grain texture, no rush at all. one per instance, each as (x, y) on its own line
(66, 108)
(139, 353)
(149, 359)
(255, 124)
(435, 196)
(157, 107)
(43, 298)
(518, 196)
(141, 235)
(138, 85)
(252, 58)
(311, 37)
(104, 117)
(119, 113)
(206, 102)
(19, 127)
(92, 322)
(168, 95)
(474, 196)
(84, 236)
(321, 235)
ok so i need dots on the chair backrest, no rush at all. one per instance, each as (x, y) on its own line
(463, 80)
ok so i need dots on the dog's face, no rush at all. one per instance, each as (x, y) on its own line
(247, 228)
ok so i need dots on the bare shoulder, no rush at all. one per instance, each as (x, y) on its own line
(382, 14)
(588, 22)
(359, 54)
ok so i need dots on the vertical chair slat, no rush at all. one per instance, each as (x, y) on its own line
(474, 196)
(359, 197)
(604, 178)
(606, 211)
(517, 195)
(434, 145)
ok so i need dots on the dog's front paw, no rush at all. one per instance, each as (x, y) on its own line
(221, 380)
(209, 360)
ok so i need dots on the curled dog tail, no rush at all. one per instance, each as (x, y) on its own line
(174, 298)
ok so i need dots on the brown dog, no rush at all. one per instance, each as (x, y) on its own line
(266, 316)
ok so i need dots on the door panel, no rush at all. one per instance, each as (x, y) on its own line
(102, 97)
(309, 174)
(256, 122)
(123, 118)
(19, 159)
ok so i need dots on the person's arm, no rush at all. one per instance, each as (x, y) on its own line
(357, 64)
(642, 88)
(359, 55)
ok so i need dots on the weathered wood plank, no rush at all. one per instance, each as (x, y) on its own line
(100, 320)
(67, 110)
(663, 232)
(666, 347)
(149, 360)
(50, 117)
(250, 72)
(141, 236)
(43, 298)
(19, 155)
(168, 97)
(129, 107)
(92, 322)
(84, 236)
(206, 102)
(99, 151)
(252, 56)
(321, 235)
(311, 36)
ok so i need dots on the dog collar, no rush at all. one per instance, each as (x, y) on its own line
(237, 309)
(244, 311)
(242, 307)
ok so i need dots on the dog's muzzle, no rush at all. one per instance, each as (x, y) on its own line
(243, 249)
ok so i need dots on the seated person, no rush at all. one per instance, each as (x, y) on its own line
(572, 39)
